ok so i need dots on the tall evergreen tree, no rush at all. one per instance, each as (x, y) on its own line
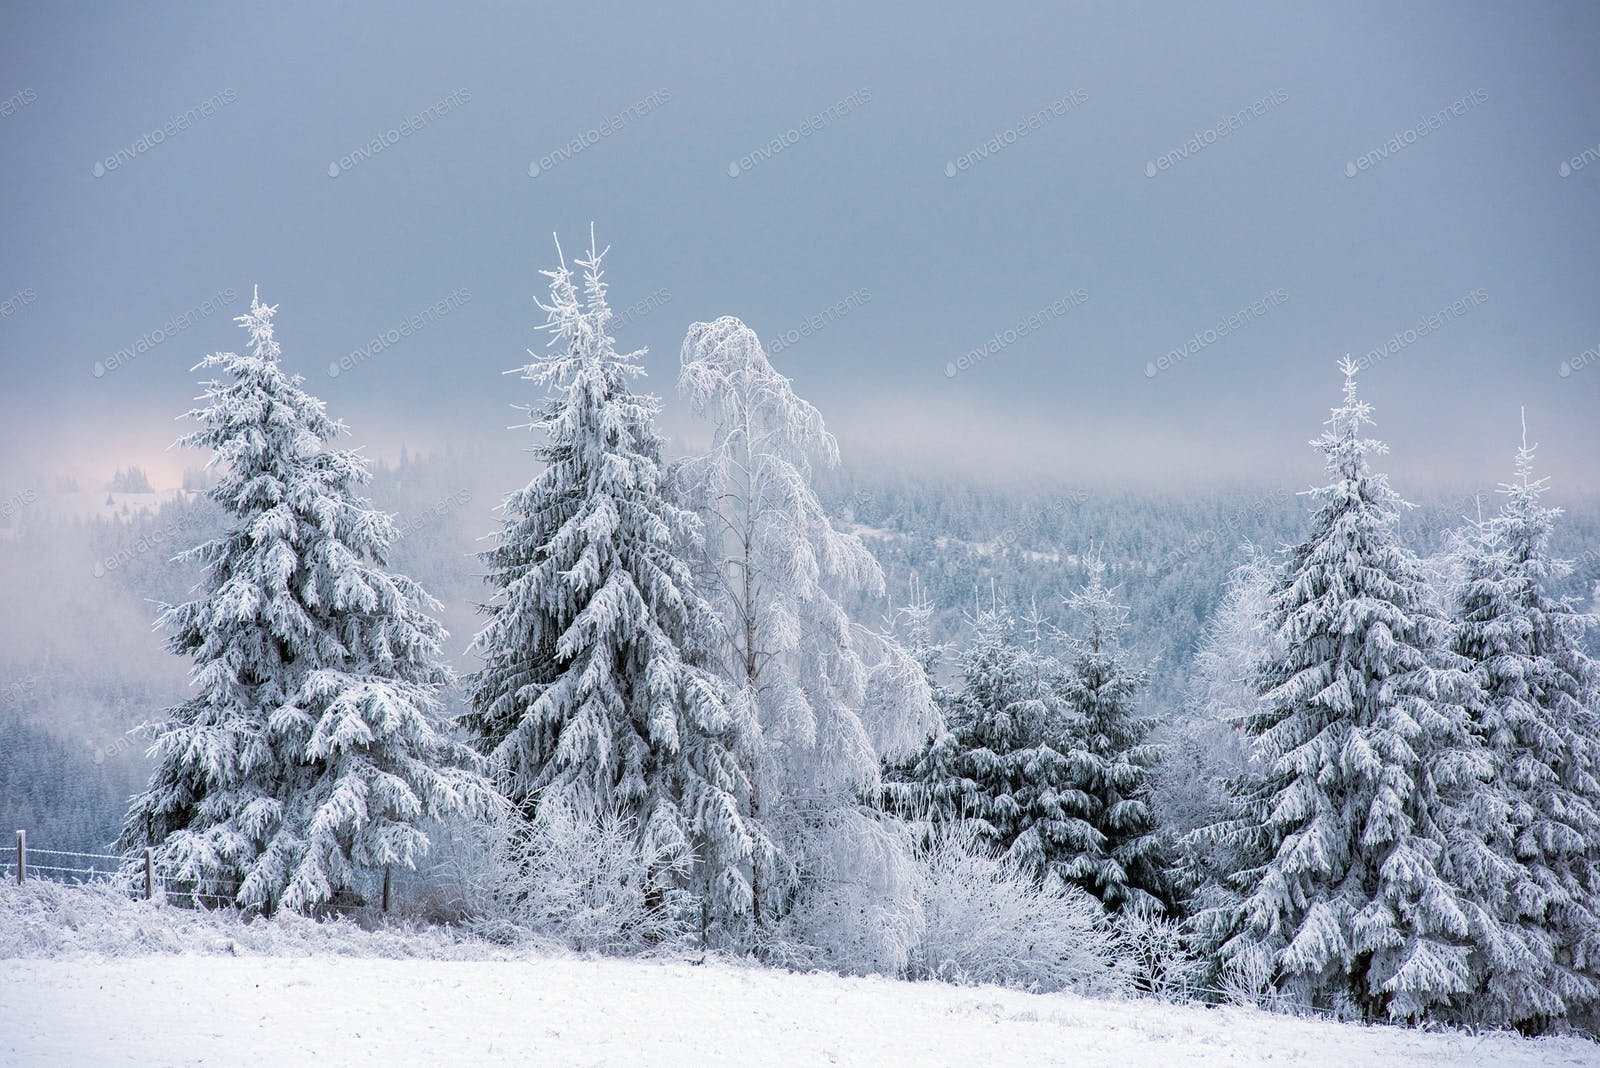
(315, 747)
(597, 685)
(1360, 738)
(1112, 758)
(1542, 725)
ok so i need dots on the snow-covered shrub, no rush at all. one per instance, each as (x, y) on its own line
(1250, 981)
(1158, 951)
(44, 919)
(572, 878)
(985, 920)
(856, 910)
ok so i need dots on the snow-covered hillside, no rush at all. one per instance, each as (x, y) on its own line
(88, 977)
(567, 1011)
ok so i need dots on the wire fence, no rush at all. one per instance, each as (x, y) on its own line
(134, 873)
(63, 866)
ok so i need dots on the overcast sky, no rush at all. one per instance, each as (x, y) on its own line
(1419, 181)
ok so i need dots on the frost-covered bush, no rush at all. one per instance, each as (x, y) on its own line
(1250, 982)
(44, 919)
(571, 878)
(1159, 952)
(856, 910)
(985, 920)
(937, 902)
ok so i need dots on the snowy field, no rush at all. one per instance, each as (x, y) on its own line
(90, 977)
(227, 1010)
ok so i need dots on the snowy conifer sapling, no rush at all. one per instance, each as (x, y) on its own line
(1001, 766)
(1111, 757)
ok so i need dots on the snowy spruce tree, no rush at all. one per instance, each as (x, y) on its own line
(1541, 722)
(314, 748)
(1003, 765)
(832, 697)
(1048, 762)
(1363, 772)
(598, 686)
(1111, 757)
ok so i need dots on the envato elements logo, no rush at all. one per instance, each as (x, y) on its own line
(393, 134)
(440, 508)
(1411, 136)
(1012, 134)
(1011, 336)
(170, 329)
(173, 126)
(595, 134)
(17, 301)
(17, 502)
(1578, 162)
(100, 754)
(1212, 134)
(1425, 326)
(431, 314)
(17, 691)
(1211, 335)
(16, 102)
(813, 325)
(1580, 361)
(150, 539)
(859, 98)
(642, 307)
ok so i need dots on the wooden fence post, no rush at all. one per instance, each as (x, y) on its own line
(22, 855)
(386, 888)
(149, 873)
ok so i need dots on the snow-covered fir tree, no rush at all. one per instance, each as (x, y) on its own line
(599, 684)
(832, 696)
(1111, 757)
(1541, 722)
(314, 747)
(1004, 763)
(1047, 762)
(1362, 753)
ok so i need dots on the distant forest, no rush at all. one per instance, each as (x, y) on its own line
(80, 665)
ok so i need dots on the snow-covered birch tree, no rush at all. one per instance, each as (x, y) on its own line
(832, 696)
(314, 747)
(599, 684)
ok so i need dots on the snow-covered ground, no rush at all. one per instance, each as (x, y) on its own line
(88, 977)
(172, 1010)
